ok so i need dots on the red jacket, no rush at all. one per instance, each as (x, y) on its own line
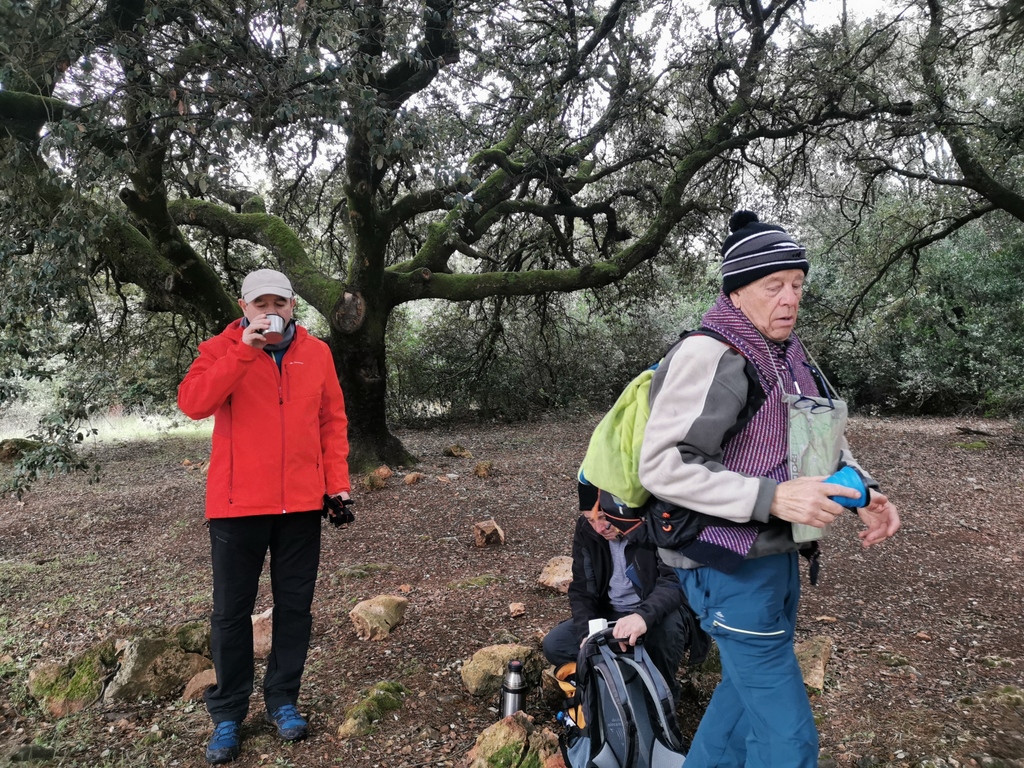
(280, 437)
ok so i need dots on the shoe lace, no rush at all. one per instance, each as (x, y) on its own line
(287, 715)
(226, 729)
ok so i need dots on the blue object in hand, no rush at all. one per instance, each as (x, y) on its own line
(849, 477)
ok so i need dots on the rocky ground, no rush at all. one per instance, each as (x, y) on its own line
(928, 648)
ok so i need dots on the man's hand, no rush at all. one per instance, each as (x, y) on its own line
(880, 517)
(629, 628)
(252, 334)
(806, 500)
(338, 509)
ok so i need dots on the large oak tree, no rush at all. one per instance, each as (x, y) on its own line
(380, 152)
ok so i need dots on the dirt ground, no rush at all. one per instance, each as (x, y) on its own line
(928, 647)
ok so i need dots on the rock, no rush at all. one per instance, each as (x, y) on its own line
(195, 687)
(514, 742)
(13, 448)
(557, 574)
(516, 609)
(544, 745)
(813, 655)
(426, 733)
(375, 618)
(483, 469)
(457, 451)
(502, 743)
(383, 472)
(488, 534)
(193, 636)
(29, 753)
(373, 482)
(262, 633)
(153, 667)
(62, 689)
(551, 690)
(483, 674)
(382, 698)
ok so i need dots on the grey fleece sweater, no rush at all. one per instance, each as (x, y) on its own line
(696, 396)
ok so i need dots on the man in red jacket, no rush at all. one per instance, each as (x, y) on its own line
(280, 445)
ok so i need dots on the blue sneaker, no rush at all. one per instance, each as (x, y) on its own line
(291, 726)
(225, 744)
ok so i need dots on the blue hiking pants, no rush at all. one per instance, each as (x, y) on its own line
(759, 715)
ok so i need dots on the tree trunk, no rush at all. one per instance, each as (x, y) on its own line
(360, 360)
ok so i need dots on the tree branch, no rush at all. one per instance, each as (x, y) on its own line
(272, 233)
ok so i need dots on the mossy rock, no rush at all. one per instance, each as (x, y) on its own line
(476, 582)
(13, 448)
(193, 637)
(506, 757)
(382, 698)
(514, 742)
(62, 689)
(362, 571)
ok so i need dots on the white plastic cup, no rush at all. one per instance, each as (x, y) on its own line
(596, 625)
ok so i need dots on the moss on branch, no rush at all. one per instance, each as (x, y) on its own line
(273, 233)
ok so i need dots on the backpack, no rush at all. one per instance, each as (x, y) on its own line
(628, 716)
(612, 460)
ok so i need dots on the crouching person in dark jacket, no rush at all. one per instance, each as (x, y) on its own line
(624, 582)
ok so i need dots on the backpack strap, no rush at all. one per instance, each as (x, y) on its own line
(755, 391)
(607, 668)
(660, 695)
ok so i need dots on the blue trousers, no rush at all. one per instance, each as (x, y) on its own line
(759, 715)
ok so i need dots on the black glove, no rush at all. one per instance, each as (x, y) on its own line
(338, 510)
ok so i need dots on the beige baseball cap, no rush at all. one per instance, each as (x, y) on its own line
(264, 281)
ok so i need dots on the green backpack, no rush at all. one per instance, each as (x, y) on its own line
(612, 460)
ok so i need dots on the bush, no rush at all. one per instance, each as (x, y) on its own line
(514, 359)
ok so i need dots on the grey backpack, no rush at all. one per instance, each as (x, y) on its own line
(629, 718)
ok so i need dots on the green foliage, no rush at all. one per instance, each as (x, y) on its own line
(385, 153)
(517, 358)
(946, 339)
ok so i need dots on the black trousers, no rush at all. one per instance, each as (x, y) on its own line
(665, 643)
(238, 548)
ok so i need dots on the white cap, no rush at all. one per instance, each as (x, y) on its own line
(264, 281)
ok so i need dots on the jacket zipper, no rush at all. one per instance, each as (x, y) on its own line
(279, 369)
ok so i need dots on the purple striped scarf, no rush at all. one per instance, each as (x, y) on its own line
(761, 448)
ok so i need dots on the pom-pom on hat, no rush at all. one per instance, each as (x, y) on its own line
(755, 249)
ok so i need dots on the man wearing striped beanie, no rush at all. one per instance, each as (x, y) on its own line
(715, 455)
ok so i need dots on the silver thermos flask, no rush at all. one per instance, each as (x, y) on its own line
(513, 689)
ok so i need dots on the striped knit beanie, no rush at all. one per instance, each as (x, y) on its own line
(755, 249)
